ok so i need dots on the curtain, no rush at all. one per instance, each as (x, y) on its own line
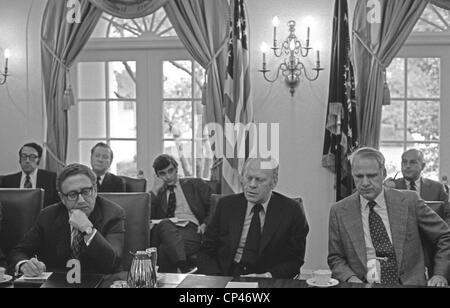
(445, 4)
(375, 46)
(61, 42)
(128, 9)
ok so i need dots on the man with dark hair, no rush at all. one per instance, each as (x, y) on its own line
(257, 233)
(381, 225)
(31, 177)
(187, 203)
(101, 159)
(82, 226)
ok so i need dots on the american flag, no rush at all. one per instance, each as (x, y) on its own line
(341, 124)
(238, 107)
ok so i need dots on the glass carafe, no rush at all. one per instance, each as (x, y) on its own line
(141, 274)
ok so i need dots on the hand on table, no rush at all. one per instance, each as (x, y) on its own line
(33, 268)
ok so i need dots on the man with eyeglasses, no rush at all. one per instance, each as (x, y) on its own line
(31, 177)
(82, 226)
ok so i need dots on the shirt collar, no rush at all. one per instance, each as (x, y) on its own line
(264, 205)
(380, 200)
(417, 182)
(32, 174)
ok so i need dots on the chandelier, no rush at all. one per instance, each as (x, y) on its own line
(291, 50)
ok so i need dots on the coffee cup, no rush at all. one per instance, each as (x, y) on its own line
(322, 277)
(2, 273)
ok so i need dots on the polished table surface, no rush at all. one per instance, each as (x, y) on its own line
(201, 281)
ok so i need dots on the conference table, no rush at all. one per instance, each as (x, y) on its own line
(186, 281)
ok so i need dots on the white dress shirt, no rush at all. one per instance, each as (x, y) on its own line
(381, 210)
(33, 178)
(182, 209)
(246, 227)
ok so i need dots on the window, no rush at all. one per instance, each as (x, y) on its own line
(412, 119)
(139, 91)
(419, 97)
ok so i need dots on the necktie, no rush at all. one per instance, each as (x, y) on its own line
(383, 247)
(27, 183)
(98, 182)
(412, 186)
(77, 243)
(172, 202)
(251, 249)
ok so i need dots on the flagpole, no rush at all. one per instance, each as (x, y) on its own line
(338, 167)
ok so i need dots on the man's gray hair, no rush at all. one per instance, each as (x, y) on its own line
(416, 151)
(264, 163)
(368, 152)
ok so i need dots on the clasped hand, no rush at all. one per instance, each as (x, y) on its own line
(79, 220)
(33, 268)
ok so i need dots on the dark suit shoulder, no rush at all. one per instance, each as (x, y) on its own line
(431, 182)
(46, 173)
(193, 181)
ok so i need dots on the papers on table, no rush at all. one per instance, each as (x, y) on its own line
(241, 285)
(42, 277)
(175, 220)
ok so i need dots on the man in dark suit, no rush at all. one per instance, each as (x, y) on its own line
(258, 233)
(412, 166)
(101, 159)
(188, 201)
(31, 177)
(384, 225)
(2, 256)
(82, 226)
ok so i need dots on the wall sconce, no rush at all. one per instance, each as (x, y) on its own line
(292, 50)
(5, 73)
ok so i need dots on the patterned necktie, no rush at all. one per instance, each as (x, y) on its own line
(251, 249)
(27, 183)
(98, 182)
(77, 243)
(412, 186)
(172, 202)
(383, 247)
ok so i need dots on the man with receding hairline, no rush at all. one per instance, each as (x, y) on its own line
(378, 224)
(257, 233)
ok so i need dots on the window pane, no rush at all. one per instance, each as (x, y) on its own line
(431, 157)
(199, 79)
(393, 154)
(121, 80)
(392, 121)
(396, 78)
(199, 119)
(423, 120)
(433, 19)
(85, 147)
(177, 79)
(182, 152)
(124, 162)
(177, 119)
(91, 80)
(122, 119)
(423, 78)
(92, 118)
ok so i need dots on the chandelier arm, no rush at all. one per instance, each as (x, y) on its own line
(3, 81)
(307, 75)
(276, 76)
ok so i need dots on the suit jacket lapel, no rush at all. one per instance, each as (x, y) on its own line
(39, 179)
(273, 219)
(17, 178)
(188, 191)
(236, 225)
(63, 249)
(398, 216)
(353, 224)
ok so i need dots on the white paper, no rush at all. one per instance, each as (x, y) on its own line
(241, 285)
(43, 276)
(173, 219)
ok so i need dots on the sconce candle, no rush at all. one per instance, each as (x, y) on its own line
(275, 23)
(318, 57)
(6, 58)
(264, 50)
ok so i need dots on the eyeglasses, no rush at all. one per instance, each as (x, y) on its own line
(74, 195)
(31, 157)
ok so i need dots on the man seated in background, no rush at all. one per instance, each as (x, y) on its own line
(384, 225)
(2, 256)
(31, 177)
(82, 226)
(257, 233)
(101, 159)
(187, 200)
(412, 166)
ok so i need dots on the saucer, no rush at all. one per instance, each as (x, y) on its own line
(6, 278)
(331, 283)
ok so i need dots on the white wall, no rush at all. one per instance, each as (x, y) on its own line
(21, 97)
(301, 118)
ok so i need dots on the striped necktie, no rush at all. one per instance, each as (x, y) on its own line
(27, 183)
